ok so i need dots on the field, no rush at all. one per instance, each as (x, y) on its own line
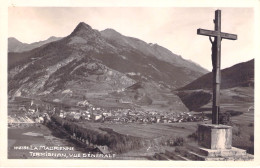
(243, 129)
(154, 135)
(148, 131)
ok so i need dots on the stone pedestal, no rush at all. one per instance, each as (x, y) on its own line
(215, 137)
(214, 144)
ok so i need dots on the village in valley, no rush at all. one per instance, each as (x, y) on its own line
(84, 111)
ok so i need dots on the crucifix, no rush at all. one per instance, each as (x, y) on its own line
(216, 54)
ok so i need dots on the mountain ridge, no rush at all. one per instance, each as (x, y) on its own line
(14, 45)
(237, 87)
(88, 61)
(161, 53)
(241, 74)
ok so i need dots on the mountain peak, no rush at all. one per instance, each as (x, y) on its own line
(83, 25)
(82, 29)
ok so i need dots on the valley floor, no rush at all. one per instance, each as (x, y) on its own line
(28, 133)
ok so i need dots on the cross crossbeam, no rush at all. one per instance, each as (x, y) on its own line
(216, 33)
(216, 59)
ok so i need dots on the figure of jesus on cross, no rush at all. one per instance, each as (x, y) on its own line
(216, 54)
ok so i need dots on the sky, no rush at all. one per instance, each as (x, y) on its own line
(171, 27)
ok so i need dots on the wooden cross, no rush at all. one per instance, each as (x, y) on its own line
(216, 54)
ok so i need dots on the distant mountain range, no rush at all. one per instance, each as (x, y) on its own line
(241, 74)
(237, 85)
(15, 45)
(88, 62)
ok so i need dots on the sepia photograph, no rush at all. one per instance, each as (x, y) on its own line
(131, 83)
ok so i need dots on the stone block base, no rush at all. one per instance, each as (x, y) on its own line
(214, 144)
(213, 136)
(217, 152)
(195, 153)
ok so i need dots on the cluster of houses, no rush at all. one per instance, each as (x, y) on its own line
(36, 112)
(85, 111)
(98, 114)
